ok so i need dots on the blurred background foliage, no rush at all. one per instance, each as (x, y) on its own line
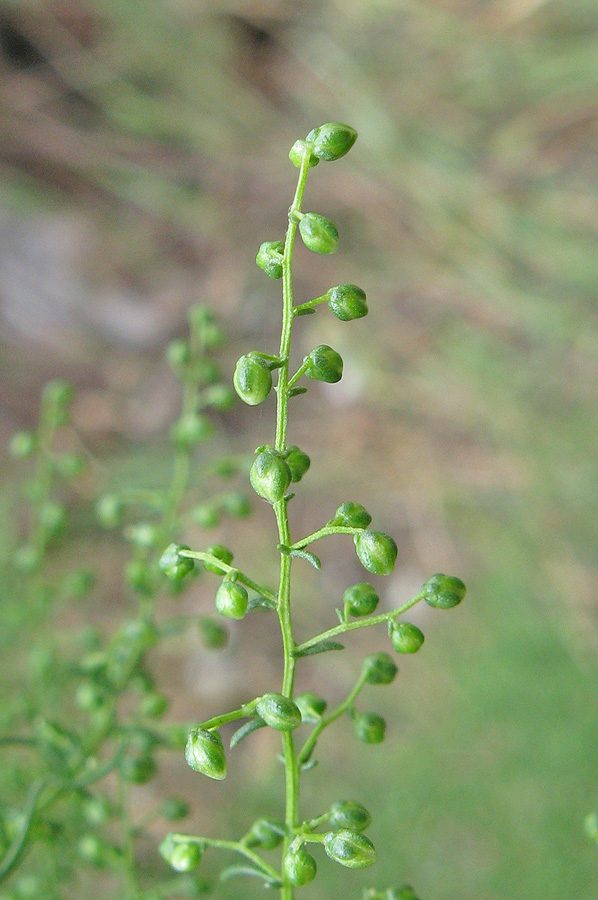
(143, 159)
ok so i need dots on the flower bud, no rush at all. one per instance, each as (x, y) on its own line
(311, 707)
(298, 462)
(319, 233)
(109, 510)
(220, 397)
(403, 893)
(331, 140)
(153, 705)
(345, 814)
(92, 850)
(207, 515)
(222, 553)
(360, 600)
(231, 600)
(269, 258)
(139, 577)
(252, 379)
(590, 826)
(174, 809)
(377, 552)
(205, 754)
(369, 728)
(178, 354)
(443, 591)
(298, 151)
(173, 564)
(191, 429)
(351, 515)
(379, 668)
(214, 636)
(299, 866)
(350, 849)
(324, 364)
(22, 444)
(266, 834)
(236, 505)
(53, 518)
(138, 769)
(143, 535)
(405, 637)
(26, 559)
(181, 855)
(69, 465)
(270, 476)
(347, 302)
(89, 697)
(278, 711)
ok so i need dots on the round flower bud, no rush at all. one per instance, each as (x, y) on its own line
(138, 576)
(214, 636)
(69, 465)
(22, 444)
(178, 354)
(191, 429)
(173, 564)
(346, 814)
(405, 637)
(347, 302)
(350, 849)
(324, 364)
(52, 517)
(360, 600)
(153, 705)
(319, 233)
(377, 552)
(181, 855)
(298, 462)
(236, 505)
(270, 476)
(379, 668)
(231, 600)
(174, 809)
(138, 769)
(590, 826)
(143, 535)
(207, 515)
(222, 553)
(297, 152)
(278, 711)
(351, 515)
(89, 697)
(369, 728)
(331, 140)
(269, 258)
(109, 510)
(311, 707)
(92, 850)
(26, 558)
(204, 753)
(443, 591)
(266, 834)
(220, 397)
(96, 810)
(252, 379)
(299, 866)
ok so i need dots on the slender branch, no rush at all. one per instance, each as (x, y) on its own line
(235, 846)
(324, 532)
(230, 570)
(308, 747)
(243, 711)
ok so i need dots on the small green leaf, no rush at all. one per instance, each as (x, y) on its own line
(308, 556)
(322, 647)
(235, 871)
(245, 730)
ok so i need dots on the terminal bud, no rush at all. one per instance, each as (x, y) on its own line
(331, 140)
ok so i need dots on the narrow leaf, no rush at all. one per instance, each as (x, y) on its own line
(245, 730)
(307, 555)
(234, 871)
(265, 602)
(322, 647)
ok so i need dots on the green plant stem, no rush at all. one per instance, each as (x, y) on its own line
(230, 570)
(128, 837)
(325, 532)
(235, 846)
(18, 845)
(245, 710)
(309, 304)
(308, 747)
(366, 622)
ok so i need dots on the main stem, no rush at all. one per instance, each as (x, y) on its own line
(280, 509)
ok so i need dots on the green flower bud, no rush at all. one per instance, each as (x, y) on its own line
(181, 855)
(347, 302)
(311, 707)
(138, 769)
(143, 535)
(153, 705)
(346, 814)
(139, 577)
(380, 668)
(590, 826)
(222, 553)
(22, 444)
(278, 711)
(109, 510)
(443, 591)
(96, 810)
(69, 465)
(369, 728)
(220, 397)
(406, 638)
(270, 476)
(350, 849)
(269, 258)
(360, 600)
(174, 809)
(92, 850)
(190, 430)
(178, 354)
(266, 834)
(89, 697)
(331, 140)
(214, 636)
(205, 754)
(173, 564)
(297, 152)
(236, 505)
(298, 462)
(351, 515)
(377, 552)
(53, 518)
(324, 364)
(231, 600)
(299, 867)
(26, 559)
(252, 379)
(207, 515)
(403, 893)
(319, 234)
